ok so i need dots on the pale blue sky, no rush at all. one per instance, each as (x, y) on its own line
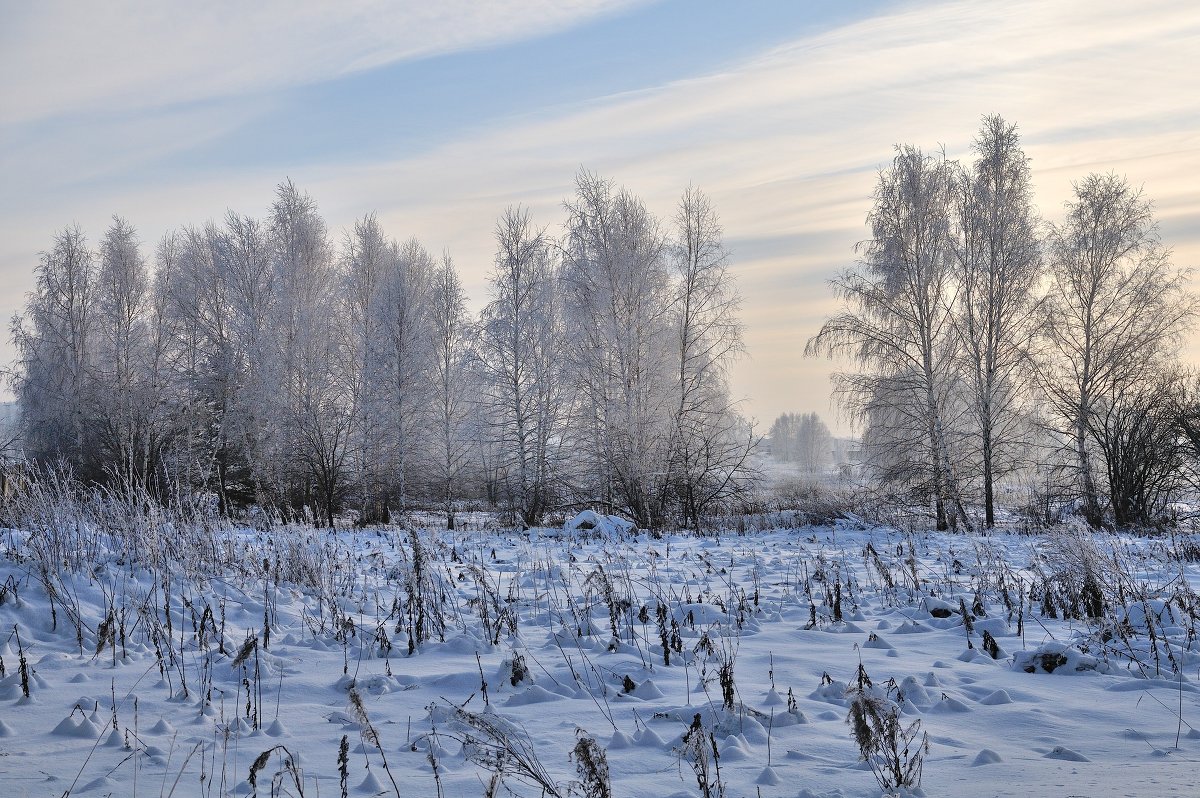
(437, 115)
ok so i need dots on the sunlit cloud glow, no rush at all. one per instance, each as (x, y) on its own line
(787, 141)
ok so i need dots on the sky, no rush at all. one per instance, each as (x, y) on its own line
(436, 116)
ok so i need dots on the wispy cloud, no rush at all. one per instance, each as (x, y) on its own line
(63, 58)
(786, 142)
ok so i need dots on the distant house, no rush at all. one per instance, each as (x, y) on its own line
(12, 463)
(847, 450)
(10, 421)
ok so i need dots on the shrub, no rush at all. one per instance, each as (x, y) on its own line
(891, 748)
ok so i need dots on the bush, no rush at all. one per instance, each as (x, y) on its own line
(886, 744)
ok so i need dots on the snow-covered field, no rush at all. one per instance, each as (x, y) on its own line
(181, 687)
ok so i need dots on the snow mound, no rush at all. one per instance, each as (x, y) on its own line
(591, 521)
(1066, 754)
(534, 694)
(1054, 657)
(986, 757)
(996, 698)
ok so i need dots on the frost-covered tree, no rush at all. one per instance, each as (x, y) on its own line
(366, 258)
(997, 264)
(256, 398)
(898, 326)
(219, 300)
(782, 436)
(710, 447)
(405, 363)
(172, 412)
(521, 364)
(262, 366)
(803, 439)
(813, 443)
(55, 341)
(1116, 307)
(198, 307)
(122, 407)
(618, 303)
(451, 333)
(310, 360)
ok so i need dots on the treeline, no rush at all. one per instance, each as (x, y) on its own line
(994, 345)
(802, 439)
(263, 363)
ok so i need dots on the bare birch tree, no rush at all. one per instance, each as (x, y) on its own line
(997, 263)
(521, 357)
(803, 439)
(898, 326)
(450, 334)
(366, 257)
(122, 305)
(406, 361)
(618, 303)
(310, 356)
(172, 410)
(1115, 308)
(245, 294)
(55, 342)
(709, 457)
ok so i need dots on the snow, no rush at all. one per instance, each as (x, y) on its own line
(591, 521)
(1059, 712)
